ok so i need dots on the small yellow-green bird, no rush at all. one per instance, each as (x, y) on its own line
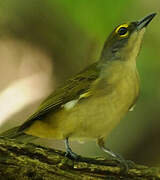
(89, 105)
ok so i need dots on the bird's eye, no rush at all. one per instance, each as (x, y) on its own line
(122, 31)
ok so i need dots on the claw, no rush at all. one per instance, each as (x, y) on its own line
(72, 155)
(123, 163)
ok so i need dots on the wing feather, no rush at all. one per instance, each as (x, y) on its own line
(69, 91)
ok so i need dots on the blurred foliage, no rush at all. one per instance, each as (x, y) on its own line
(97, 18)
(45, 24)
(72, 33)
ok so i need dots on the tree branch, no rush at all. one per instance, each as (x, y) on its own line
(29, 161)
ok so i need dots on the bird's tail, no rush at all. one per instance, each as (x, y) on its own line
(14, 133)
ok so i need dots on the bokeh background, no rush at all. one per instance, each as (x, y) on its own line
(42, 43)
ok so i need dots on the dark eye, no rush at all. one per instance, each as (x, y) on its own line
(122, 31)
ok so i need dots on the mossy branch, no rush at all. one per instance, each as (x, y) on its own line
(29, 161)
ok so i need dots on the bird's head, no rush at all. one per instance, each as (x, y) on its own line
(125, 40)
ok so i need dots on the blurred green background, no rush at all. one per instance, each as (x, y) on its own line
(42, 43)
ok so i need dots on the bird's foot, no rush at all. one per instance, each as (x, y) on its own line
(124, 164)
(70, 154)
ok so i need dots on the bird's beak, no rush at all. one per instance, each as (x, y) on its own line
(145, 21)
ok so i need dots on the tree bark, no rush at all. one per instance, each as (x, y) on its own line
(20, 161)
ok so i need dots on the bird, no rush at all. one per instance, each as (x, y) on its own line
(91, 103)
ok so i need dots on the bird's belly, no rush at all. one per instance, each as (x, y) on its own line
(99, 115)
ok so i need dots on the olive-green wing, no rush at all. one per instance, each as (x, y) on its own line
(69, 91)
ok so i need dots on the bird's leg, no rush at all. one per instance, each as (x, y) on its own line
(69, 152)
(115, 156)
